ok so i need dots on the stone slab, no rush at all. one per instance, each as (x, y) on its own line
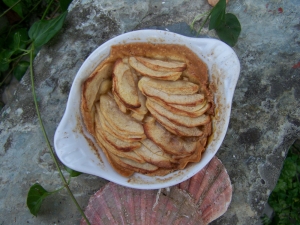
(265, 117)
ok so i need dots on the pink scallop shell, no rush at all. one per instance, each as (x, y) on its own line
(211, 190)
(199, 200)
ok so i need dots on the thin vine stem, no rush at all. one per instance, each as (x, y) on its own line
(54, 12)
(19, 56)
(47, 139)
(12, 27)
(6, 11)
(198, 17)
(204, 22)
(47, 9)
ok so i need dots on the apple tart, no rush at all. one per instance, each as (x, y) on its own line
(149, 107)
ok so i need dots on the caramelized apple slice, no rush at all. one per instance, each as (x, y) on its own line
(90, 90)
(179, 87)
(116, 133)
(133, 165)
(124, 85)
(152, 73)
(153, 159)
(119, 102)
(160, 65)
(157, 150)
(141, 111)
(189, 108)
(117, 119)
(174, 128)
(188, 100)
(92, 84)
(118, 168)
(174, 110)
(167, 141)
(117, 143)
(129, 155)
(177, 119)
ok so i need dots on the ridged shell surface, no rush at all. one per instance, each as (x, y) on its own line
(199, 200)
(115, 204)
(211, 190)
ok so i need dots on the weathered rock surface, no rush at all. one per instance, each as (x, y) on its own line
(265, 117)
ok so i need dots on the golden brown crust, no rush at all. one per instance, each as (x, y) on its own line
(118, 168)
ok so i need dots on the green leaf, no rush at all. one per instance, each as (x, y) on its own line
(18, 40)
(230, 31)
(285, 198)
(5, 59)
(42, 31)
(35, 197)
(17, 8)
(64, 4)
(73, 173)
(217, 17)
(21, 69)
(281, 186)
(289, 169)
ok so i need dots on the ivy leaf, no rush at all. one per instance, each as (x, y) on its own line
(17, 8)
(42, 31)
(217, 17)
(73, 173)
(5, 55)
(35, 197)
(64, 4)
(230, 31)
(21, 69)
(18, 40)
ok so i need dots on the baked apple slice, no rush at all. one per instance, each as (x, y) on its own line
(130, 155)
(153, 73)
(178, 119)
(187, 100)
(133, 165)
(120, 121)
(160, 65)
(177, 111)
(167, 141)
(124, 85)
(153, 158)
(174, 128)
(179, 87)
(114, 132)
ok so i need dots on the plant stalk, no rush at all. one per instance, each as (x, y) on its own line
(12, 27)
(10, 8)
(204, 22)
(198, 17)
(47, 139)
(47, 9)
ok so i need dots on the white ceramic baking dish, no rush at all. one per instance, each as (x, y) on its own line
(75, 151)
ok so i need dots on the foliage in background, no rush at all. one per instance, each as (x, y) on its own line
(285, 198)
(226, 25)
(26, 26)
(37, 193)
(16, 19)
